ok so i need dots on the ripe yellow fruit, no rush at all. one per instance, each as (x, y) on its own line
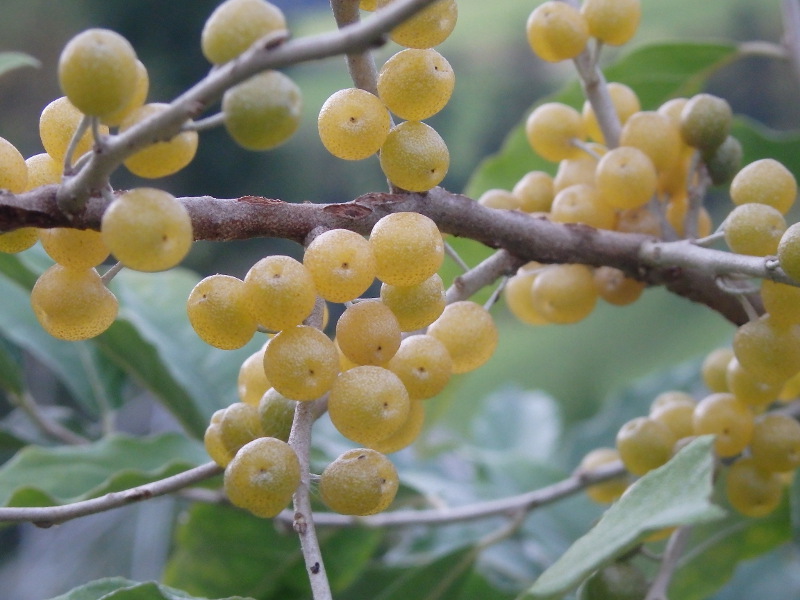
(341, 263)
(13, 169)
(218, 312)
(408, 431)
(557, 31)
(161, 158)
(727, 417)
(765, 181)
(714, 369)
(147, 229)
(519, 297)
(57, 125)
(368, 333)
(675, 409)
(770, 352)
(276, 413)
(359, 482)
(212, 440)
(612, 21)
(644, 444)
(414, 157)
(581, 203)
(748, 389)
(367, 404)
(468, 332)
(535, 191)
(572, 171)
(43, 169)
(751, 490)
(625, 101)
(782, 302)
(416, 84)
(408, 248)
(279, 292)
(235, 25)
(776, 443)
(564, 293)
(97, 72)
(301, 363)
(615, 287)
(499, 199)
(415, 306)
(139, 96)
(239, 425)
(252, 382)
(262, 477)
(76, 248)
(423, 364)
(552, 129)
(754, 229)
(428, 28)
(607, 491)
(73, 304)
(656, 136)
(264, 111)
(626, 177)
(353, 124)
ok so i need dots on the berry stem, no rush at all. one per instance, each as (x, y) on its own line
(53, 429)
(596, 92)
(674, 550)
(360, 65)
(303, 520)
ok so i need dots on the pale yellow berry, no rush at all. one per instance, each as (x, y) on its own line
(57, 124)
(301, 363)
(468, 332)
(235, 25)
(552, 129)
(414, 157)
(416, 84)
(218, 312)
(279, 292)
(415, 306)
(428, 28)
(76, 248)
(408, 248)
(341, 263)
(353, 124)
(557, 31)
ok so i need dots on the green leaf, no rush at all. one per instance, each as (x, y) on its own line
(39, 476)
(220, 550)
(118, 588)
(656, 72)
(10, 368)
(716, 549)
(440, 579)
(675, 494)
(154, 342)
(16, 60)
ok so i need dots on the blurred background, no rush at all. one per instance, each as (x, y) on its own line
(497, 80)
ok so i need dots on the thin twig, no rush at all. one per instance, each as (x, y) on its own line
(672, 553)
(26, 403)
(51, 515)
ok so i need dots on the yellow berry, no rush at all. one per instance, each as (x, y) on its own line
(73, 304)
(612, 21)
(615, 287)
(428, 28)
(276, 413)
(252, 381)
(754, 229)
(341, 263)
(714, 369)
(765, 181)
(368, 333)
(139, 96)
(76, 248)
(359, 482)
(705, 121)
(519, 298)
(776, 443)
(407, 433)
(581, 203)
(264, 111)
(782, 302)
(353, 124)
(43, 169)
(727, 417)
(416, 84)
(767, 350)
(415, 306)
(676, 410)
(97, 72)
(18, 240)
(468, 332)
(239, 425)
(367, 404)
(414, 156)
(279, 292)
(408, 248)
(162, 158)
(607, 491)
(212, 440)
(535, 191)
(423, 364)
(564, 293)
(147, 229)
(499, 199)
(301, 363)
(751, 490)
(644, 444)
(13, 169)
(626, 177)
(262, 477)
(552, 129)
(235, 25)
(57, 125)
(656, 136)
(218, 312)
(557, 31)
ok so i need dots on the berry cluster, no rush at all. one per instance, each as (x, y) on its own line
(414, 84)
(388, 355)
(146, 229)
